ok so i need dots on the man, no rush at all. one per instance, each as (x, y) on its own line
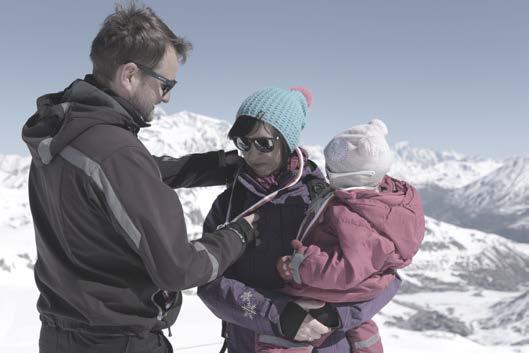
(111, 238)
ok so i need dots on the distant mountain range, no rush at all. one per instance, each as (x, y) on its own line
(498, 202)
(465, 281)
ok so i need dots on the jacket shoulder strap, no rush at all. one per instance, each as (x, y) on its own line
(317, 187)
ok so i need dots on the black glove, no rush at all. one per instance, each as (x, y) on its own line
(296, 322)
(291, 319)
(327, 315)
(243, 229)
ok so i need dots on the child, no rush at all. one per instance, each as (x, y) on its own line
(357, 233)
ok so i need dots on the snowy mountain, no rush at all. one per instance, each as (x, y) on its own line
(446, 170)
(182, 133)
(14, 205)
(425, 168)
(454, 258)
(497, 202)
(472, 192)
(465, 288)
(185, 132)
(14, 171)
(465, 282)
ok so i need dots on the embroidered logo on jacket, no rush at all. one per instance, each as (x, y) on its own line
(248, 305)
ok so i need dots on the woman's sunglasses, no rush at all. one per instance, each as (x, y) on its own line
(263, 144)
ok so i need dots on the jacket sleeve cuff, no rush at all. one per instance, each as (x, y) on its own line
(294, 265)
(242, 229)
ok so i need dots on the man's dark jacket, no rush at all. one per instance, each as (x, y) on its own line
(111, 238)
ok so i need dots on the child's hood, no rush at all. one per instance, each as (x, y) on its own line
(395, 212)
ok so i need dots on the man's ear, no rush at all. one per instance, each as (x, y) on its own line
(126, 79)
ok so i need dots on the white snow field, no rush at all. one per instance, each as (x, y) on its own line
(467, 290)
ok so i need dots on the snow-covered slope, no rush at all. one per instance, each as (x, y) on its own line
(510, 315)
(506, 189)
(425, 168)
(183, 133)
(465, 288)
(473, 192)
(455, 188)
(466, 282)
(497, 202)
(14, 205)
(454, 258)
(179, 134)
(447, 170)
(14, 171)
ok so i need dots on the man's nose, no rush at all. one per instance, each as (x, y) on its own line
(166, 97)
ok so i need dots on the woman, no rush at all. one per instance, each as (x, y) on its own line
(276, 181)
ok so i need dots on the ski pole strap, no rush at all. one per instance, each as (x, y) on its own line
(302, 231)
(303, 228)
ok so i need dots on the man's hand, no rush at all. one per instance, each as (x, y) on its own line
(245, 228)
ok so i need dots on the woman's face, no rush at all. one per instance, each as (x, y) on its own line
(263, 164)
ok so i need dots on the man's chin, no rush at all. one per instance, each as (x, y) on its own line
(149, 117)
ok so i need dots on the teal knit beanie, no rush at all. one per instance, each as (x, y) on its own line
(284, 109)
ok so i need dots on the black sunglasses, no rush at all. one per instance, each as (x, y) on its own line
(263, 144)
(167, 84)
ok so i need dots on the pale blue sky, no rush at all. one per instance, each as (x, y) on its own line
(451, 74)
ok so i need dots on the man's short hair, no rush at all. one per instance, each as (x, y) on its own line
(133, 34)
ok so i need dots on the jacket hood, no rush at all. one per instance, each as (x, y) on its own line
(396, 212)
(61, 117)
(393, 192)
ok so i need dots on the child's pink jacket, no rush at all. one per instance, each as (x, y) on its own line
(362, 238)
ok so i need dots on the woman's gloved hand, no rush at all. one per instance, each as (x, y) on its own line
(298, 324)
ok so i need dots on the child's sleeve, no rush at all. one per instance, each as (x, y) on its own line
(361, 252)
(365, 338)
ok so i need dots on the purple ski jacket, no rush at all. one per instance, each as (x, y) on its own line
(247, 296)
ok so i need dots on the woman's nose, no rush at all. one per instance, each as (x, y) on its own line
(250, 154)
